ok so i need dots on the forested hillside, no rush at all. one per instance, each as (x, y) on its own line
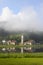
(38, 37)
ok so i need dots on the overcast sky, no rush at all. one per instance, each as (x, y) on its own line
(21, 15)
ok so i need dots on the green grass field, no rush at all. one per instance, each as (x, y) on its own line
(21, 58)
(21, 61)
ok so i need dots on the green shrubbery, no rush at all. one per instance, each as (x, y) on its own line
(21, 55)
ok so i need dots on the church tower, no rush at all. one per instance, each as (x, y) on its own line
(21, 39)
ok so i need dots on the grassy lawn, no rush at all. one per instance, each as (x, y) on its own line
(21, 61)
(21, 58)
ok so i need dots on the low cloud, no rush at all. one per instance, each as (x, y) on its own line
(27, 19)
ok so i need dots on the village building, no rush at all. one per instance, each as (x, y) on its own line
(3, 41)
(30, 42)
(13, 42)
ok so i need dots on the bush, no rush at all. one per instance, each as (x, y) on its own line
(21, 55)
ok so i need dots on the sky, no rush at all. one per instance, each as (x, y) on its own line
(20, 15)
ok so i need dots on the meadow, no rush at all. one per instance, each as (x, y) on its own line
(21, 61)
(12, 58)
(21, 58)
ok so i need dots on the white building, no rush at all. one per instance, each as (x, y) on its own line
(3, 41)
(21, 39)
(11, 42)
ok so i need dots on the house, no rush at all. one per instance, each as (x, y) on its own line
(8, 42)
(11, 42)
(3, 41)
(30, 42)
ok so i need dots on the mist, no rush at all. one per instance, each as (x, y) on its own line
(27, 19)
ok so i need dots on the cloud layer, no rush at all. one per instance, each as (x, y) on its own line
(26, 19)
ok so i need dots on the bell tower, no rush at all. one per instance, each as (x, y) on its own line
(21, 39)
